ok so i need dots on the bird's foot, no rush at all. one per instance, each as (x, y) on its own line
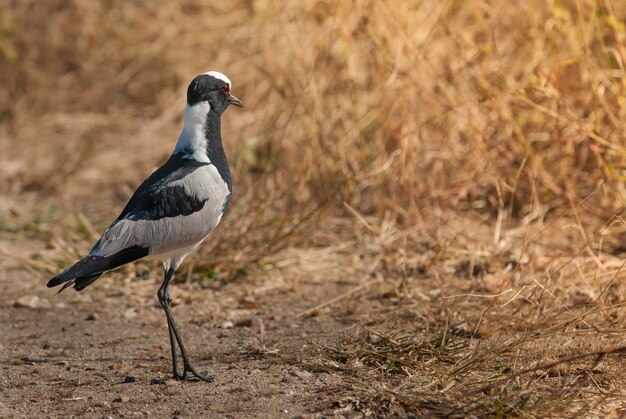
(200, 376)
(203, 377)
(180, 377)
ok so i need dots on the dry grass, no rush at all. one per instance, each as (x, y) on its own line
(466, 157)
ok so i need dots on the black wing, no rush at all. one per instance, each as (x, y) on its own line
(156, 198)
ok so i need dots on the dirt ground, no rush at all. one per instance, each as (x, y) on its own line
(70, 355)
(312, 337)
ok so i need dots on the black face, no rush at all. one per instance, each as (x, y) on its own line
(206, 88)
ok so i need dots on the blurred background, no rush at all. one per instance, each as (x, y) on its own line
(392, 107)
(444, 148)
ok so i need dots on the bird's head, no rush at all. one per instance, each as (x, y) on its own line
(213, 88)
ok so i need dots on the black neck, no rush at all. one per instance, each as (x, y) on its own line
(215, 150)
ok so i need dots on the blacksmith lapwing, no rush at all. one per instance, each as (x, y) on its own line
(174, 209)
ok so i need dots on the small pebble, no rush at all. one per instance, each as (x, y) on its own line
(122, 399)
(92, 317)
(245, 323)
(227, 325)
(303, 374)
(288, 378)
(249, 303)
(172, 383)
(32, 301)
(131, 312)
(104, 404)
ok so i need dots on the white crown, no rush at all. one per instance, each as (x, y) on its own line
(219, 76)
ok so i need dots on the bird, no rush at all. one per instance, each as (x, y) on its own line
(173, 210)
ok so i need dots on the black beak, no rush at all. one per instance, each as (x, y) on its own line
(234, 101)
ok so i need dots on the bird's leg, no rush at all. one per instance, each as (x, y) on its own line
(177, 375)
(163, 297)
(173, 347)
(166, 301)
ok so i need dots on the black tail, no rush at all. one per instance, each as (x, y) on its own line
(90, 268)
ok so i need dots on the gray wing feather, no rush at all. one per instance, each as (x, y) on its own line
(166, 233)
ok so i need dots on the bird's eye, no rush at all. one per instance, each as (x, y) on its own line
(225, 89)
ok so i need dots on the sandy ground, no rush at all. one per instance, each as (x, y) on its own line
(312, 336)
(72, 354)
